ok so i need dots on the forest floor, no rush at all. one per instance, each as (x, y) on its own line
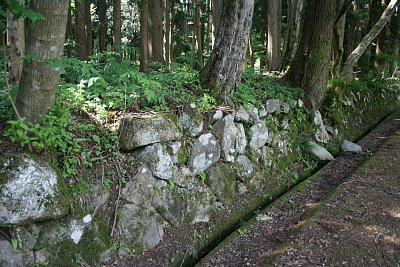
(348, 214)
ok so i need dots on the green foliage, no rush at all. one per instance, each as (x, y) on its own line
(257, 87)
(18, 10)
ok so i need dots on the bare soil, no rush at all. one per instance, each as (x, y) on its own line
(348, 214)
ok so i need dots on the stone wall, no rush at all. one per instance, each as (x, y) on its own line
(188, 167)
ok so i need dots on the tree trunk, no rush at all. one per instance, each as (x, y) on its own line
(224, 68)
(156, 9)
(80, 31)
(338, 39)
(310, 68)
(171, 49)
(381, 41)
(45, 40)
(117, 28)
(395, 33)
(16, 46)
(88, 29)
(292, 32)
(197, 27)
(216, 12)
(347, 73)
(102, 25)
(167, 31)
(144, 35)
(274, 11)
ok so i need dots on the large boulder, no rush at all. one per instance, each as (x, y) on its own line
(349, 147)
(29, 191)
(140, 131)
(205, 152)
(318, 151)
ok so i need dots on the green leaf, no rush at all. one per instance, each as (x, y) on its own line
(96, 138)
(14, 243)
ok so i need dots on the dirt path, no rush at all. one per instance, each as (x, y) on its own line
(346, 215)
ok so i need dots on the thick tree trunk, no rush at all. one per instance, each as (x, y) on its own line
(80, 31)
(156, 9)
(144, 35)
(102, 25)
(292, 32)
(117, 28)
(45, 40)
(274, 11)
(310, 68)
(216, 12)
(16, 46)
(347, 73)
(224, 68)
(197, 27)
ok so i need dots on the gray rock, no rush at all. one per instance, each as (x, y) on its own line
(258, 135)
(205, 152)
(285, 107)
(140, 226)
(9, 257)
(221, 178)
(262, 113)
(158, 160)
(244, 166)
(218, 115)
(99, 198)
(29, 191)
(226, 132)
(253, 112)
(200, 204)
(178, 152)
(318, 118)
(272, 105)
(321, 135)
(241, 141)
(349, 147)
(242, 115)
(141, 187)
(300, 103)
(136, 132)
(192, 120)
(318, 151)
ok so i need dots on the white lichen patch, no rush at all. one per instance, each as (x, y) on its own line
(76, 232)
(205, 139)
(87, 218)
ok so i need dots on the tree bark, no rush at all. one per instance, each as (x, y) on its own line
(381, 41)
(224, 68)
(156, 9)
(88, 29)
(102, 25)
(167, 31)
(347, 73)
(216, 12)
(80, 31)
(310, 68)
(292, 32)
(117, 28)
(197, 27)
(274, 11)
(338, 39)
(395, 33)
(144, 35)
(16, 46)
(45, 40)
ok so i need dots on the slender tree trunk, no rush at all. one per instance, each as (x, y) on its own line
(222, 71)
(80, 31)
(167, 31)
(347, 73)
(16, 46)
(88, 29)
(144, 35)
(171, 49)
(381, 41)
(310, 68)
(102, 25)
(69, 35)
(45, 40)
(216, 12)
(197, 26)
(117, 28)
(338, 39)
(156, 9)
(395, 33)
(292, 32)
(274, 34)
